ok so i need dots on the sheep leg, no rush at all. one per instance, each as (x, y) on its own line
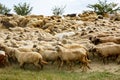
(104, 60)
(107, 59)
(88, 66)
(83, 67)
(69, 65)
(41, 66)
(58, 61)
(22, 65)
(61, 64)
(118, 59)
(93, 55)
(52, 62)
(37, 65)
(84, 64)
(72, 64)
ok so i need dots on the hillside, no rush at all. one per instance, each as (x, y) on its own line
(27, 31)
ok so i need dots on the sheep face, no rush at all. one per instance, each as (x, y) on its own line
(57, 48)
(94, 40)
(2, 46)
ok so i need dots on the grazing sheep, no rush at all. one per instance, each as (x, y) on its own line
(69, 55)
(29, 57)
(107, 51)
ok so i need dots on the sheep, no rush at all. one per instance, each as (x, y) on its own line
(47, 45)
(97, 40)
(92, 48)
(67, 55)
(22, 49)
(35, 23)
(115, 16)
(107, 51)
(71, 15)
(73, 46)
(60, 36)
(50, 55)
(17, 29)
(70, 46)
(29, 57)
(3, 59)
(5, 48)
(8, 51)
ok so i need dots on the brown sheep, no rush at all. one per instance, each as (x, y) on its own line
(97, 40)
(69, 55)
(50, 55)
(3, 59)
(74, 46)
(29, 57)
(47, 54)
(5, 48)
(70, 46)
(92, 49)
(107, 51)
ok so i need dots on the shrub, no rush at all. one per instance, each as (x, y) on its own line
(58, 10)
(4, 9)
(103, 7)
(23, 9)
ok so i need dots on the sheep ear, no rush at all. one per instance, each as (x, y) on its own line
(94, 50)
(58, 42)
(34, 46)
(57, 48)
(97, 41)
(90, 38)
(13, 51)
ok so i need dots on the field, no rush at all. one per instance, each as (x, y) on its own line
(99, 71)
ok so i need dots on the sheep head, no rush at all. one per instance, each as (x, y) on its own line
(12, 53)
(94, 40)
(2, 46)
(58, 48)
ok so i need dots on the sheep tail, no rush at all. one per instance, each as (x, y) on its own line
(43, 62)
(87, 59)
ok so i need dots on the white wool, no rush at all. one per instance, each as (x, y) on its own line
(2, 52)
(62, 35)
(79, 22)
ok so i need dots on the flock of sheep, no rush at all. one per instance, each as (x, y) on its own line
(67, 40)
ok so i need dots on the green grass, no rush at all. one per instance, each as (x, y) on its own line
(51, 73)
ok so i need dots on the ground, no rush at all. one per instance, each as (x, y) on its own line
(98, 71)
